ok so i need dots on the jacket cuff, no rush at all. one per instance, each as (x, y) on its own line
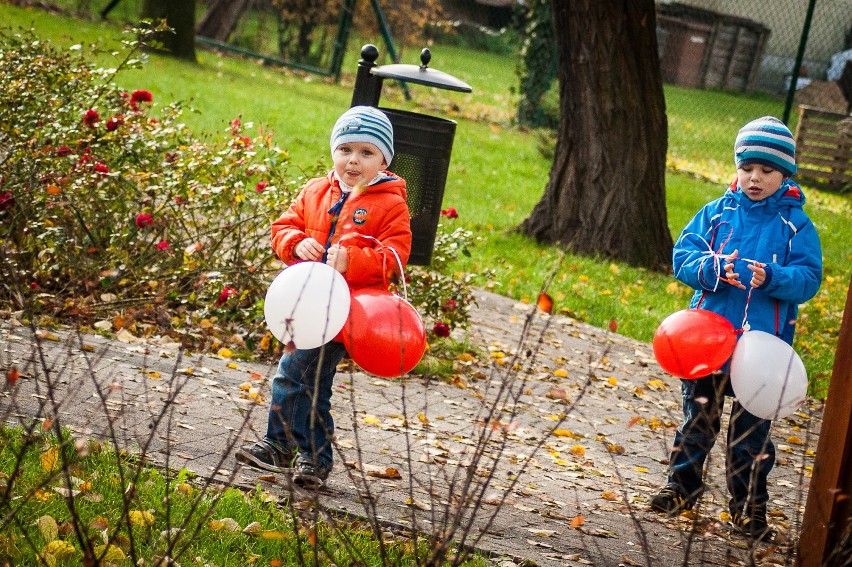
(768, 269)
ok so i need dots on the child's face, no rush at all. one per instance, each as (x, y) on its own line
(357, 163)
(759, 182)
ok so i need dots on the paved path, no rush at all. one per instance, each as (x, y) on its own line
(546, 446)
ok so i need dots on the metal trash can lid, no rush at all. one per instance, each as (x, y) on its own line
(422, 74)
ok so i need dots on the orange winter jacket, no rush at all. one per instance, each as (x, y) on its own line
(379, 211)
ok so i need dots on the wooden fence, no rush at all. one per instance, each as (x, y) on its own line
(824, 148)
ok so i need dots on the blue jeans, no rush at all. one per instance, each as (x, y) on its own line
(300, 413)
(750, 453)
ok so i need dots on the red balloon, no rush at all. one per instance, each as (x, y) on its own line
(693, 343)
(384, 334)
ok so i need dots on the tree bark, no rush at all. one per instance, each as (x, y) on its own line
(180, 16)
(606, 192)
(221, 19)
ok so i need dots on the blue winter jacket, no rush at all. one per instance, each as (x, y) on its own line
(774, 231)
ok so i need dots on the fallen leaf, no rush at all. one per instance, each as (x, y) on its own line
(563, 433)
(542, 533)
(389, 472)
(577, 521)
(226, 524)
(111, 553)
(253, 528)
(557, 393)
(48, 528)
(615, 449)
(50, 459)
(46, 335)
(12, 376)
(420, 505)
(141, 518)
(60, 549)
(545, 303)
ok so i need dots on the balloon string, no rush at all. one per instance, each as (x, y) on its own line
(745, 324)
(384, 259)
(717, 258)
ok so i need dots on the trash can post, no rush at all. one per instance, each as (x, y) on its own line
(422, 143)
(368, 87)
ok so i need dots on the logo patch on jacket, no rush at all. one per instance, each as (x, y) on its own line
(360, 216)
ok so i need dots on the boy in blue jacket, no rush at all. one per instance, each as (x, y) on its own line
(753, 256)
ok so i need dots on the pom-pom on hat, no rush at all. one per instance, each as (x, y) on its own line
(766, 141)
(364, 124)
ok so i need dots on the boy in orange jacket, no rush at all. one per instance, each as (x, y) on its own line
(353, 219)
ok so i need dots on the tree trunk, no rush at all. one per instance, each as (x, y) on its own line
(606, 192)
(221, 19)
(180, 16)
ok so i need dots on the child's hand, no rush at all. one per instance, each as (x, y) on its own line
(759, 274)
(308, 249)
(731, 276)
(338, 258)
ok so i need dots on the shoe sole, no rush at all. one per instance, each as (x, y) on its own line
(308, 482)
(766, 536)
(252, 461)
(669, 513)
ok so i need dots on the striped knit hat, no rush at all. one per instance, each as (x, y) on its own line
(766, 141)
(364, 124)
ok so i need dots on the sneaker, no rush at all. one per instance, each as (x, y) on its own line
(751, 522)
(670, 501)
(309, 474)
(264, 455)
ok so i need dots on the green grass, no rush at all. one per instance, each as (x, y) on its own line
(497, 173)
(212, 520)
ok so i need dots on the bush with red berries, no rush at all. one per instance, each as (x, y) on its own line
(110, 209)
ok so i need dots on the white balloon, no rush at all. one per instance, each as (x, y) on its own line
(768, 377)
(307, 303)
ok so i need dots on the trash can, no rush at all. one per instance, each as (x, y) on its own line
(422, 143)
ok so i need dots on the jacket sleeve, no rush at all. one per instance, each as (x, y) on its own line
(799, 278)
(374, 263)
(289, 229)
(692, 261)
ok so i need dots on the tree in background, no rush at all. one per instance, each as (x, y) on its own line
(179, 15)
(606, 192)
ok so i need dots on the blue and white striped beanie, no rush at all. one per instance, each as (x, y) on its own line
(766, 141)
(364, 124)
